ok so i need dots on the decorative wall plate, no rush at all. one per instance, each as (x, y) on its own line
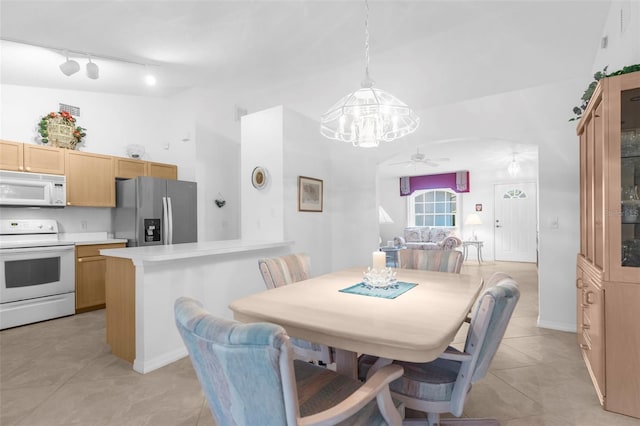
(259, 177)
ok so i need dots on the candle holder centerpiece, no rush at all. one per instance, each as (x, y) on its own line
(384, 278)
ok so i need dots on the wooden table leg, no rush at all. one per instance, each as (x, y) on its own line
(346, 363)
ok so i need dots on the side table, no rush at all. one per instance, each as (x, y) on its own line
(392, 255)
(477, 244)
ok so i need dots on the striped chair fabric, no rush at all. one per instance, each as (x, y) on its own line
(288, 269)
(283, 270)
(442, 386)
(249, 377)
(495, 279)
(431, 260)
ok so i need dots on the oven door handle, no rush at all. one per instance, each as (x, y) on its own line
(47, 249)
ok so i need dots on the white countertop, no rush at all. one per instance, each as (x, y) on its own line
(190, 250)
(89, 238)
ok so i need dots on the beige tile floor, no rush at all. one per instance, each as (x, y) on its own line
(61, 372)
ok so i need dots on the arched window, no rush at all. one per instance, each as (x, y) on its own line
(433, 207)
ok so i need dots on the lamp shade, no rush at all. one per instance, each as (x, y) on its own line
(473, 219)
(383, 216)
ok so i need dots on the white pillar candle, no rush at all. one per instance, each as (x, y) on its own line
(379, 260)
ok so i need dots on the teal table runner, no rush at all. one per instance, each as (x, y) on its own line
(389, 292)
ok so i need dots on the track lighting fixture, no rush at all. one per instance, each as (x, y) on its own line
(93, 72)
(70, 66)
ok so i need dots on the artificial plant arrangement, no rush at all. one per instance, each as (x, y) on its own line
(586, 96)
(60, 129)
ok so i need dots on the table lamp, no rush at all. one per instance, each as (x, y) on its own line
(472, 220)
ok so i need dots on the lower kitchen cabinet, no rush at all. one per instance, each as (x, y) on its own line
(91, 276)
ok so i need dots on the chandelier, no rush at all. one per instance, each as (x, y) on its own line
(514, 167)
(369, 115)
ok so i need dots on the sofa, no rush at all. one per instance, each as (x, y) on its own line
(429, 238)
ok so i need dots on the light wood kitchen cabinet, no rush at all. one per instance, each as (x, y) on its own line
(128, 168)
(91, 276)
(90, 179)
(608, 264)
(121, 314)
(161, 170)
(21, 157)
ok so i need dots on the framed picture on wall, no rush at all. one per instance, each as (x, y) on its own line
(309, 194)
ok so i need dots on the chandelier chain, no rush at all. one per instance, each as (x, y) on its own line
(366, 38)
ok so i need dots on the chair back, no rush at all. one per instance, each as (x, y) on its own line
(486, 330)
(494, 279)
(283, 270)
(245, 370)
(431, 260)
(505, 296)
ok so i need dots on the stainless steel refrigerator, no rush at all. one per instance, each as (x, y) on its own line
(151, 211)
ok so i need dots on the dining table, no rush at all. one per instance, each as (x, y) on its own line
(414, 319)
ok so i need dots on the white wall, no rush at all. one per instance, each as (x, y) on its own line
(307, 153)
(622, 30)
(262, 146)
(289, 145)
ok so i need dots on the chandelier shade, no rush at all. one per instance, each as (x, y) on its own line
(368, 116)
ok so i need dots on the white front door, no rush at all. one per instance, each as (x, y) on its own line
(515, 222)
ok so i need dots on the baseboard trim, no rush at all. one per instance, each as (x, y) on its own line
(147, 366)
(560, 326)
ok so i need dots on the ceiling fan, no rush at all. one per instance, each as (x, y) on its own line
(419, 158)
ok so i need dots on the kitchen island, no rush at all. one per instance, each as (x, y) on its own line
(142, 283)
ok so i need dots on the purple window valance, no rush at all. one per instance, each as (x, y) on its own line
(458, 182)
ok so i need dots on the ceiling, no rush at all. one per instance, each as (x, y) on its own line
(427, 53)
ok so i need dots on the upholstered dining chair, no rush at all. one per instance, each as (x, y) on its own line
(431, 260)
(283, 270)
(249, 377)
(493, 280)
(442, 386)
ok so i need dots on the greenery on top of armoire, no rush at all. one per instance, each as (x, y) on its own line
(586, 96)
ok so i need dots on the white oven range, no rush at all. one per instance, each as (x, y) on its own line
(37, 272)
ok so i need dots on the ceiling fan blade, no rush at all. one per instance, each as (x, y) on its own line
(400, 162)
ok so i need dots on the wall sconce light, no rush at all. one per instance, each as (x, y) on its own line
(70, 66)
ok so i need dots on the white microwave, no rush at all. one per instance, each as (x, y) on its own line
(32, 189)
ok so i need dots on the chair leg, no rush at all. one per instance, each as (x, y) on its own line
(433, 419)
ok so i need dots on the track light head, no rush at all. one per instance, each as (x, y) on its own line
(70, 66)
(93, 72)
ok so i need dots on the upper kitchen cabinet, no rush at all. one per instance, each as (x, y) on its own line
(128, 168)
(32, 158)
(90, 179)
(160, 170)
